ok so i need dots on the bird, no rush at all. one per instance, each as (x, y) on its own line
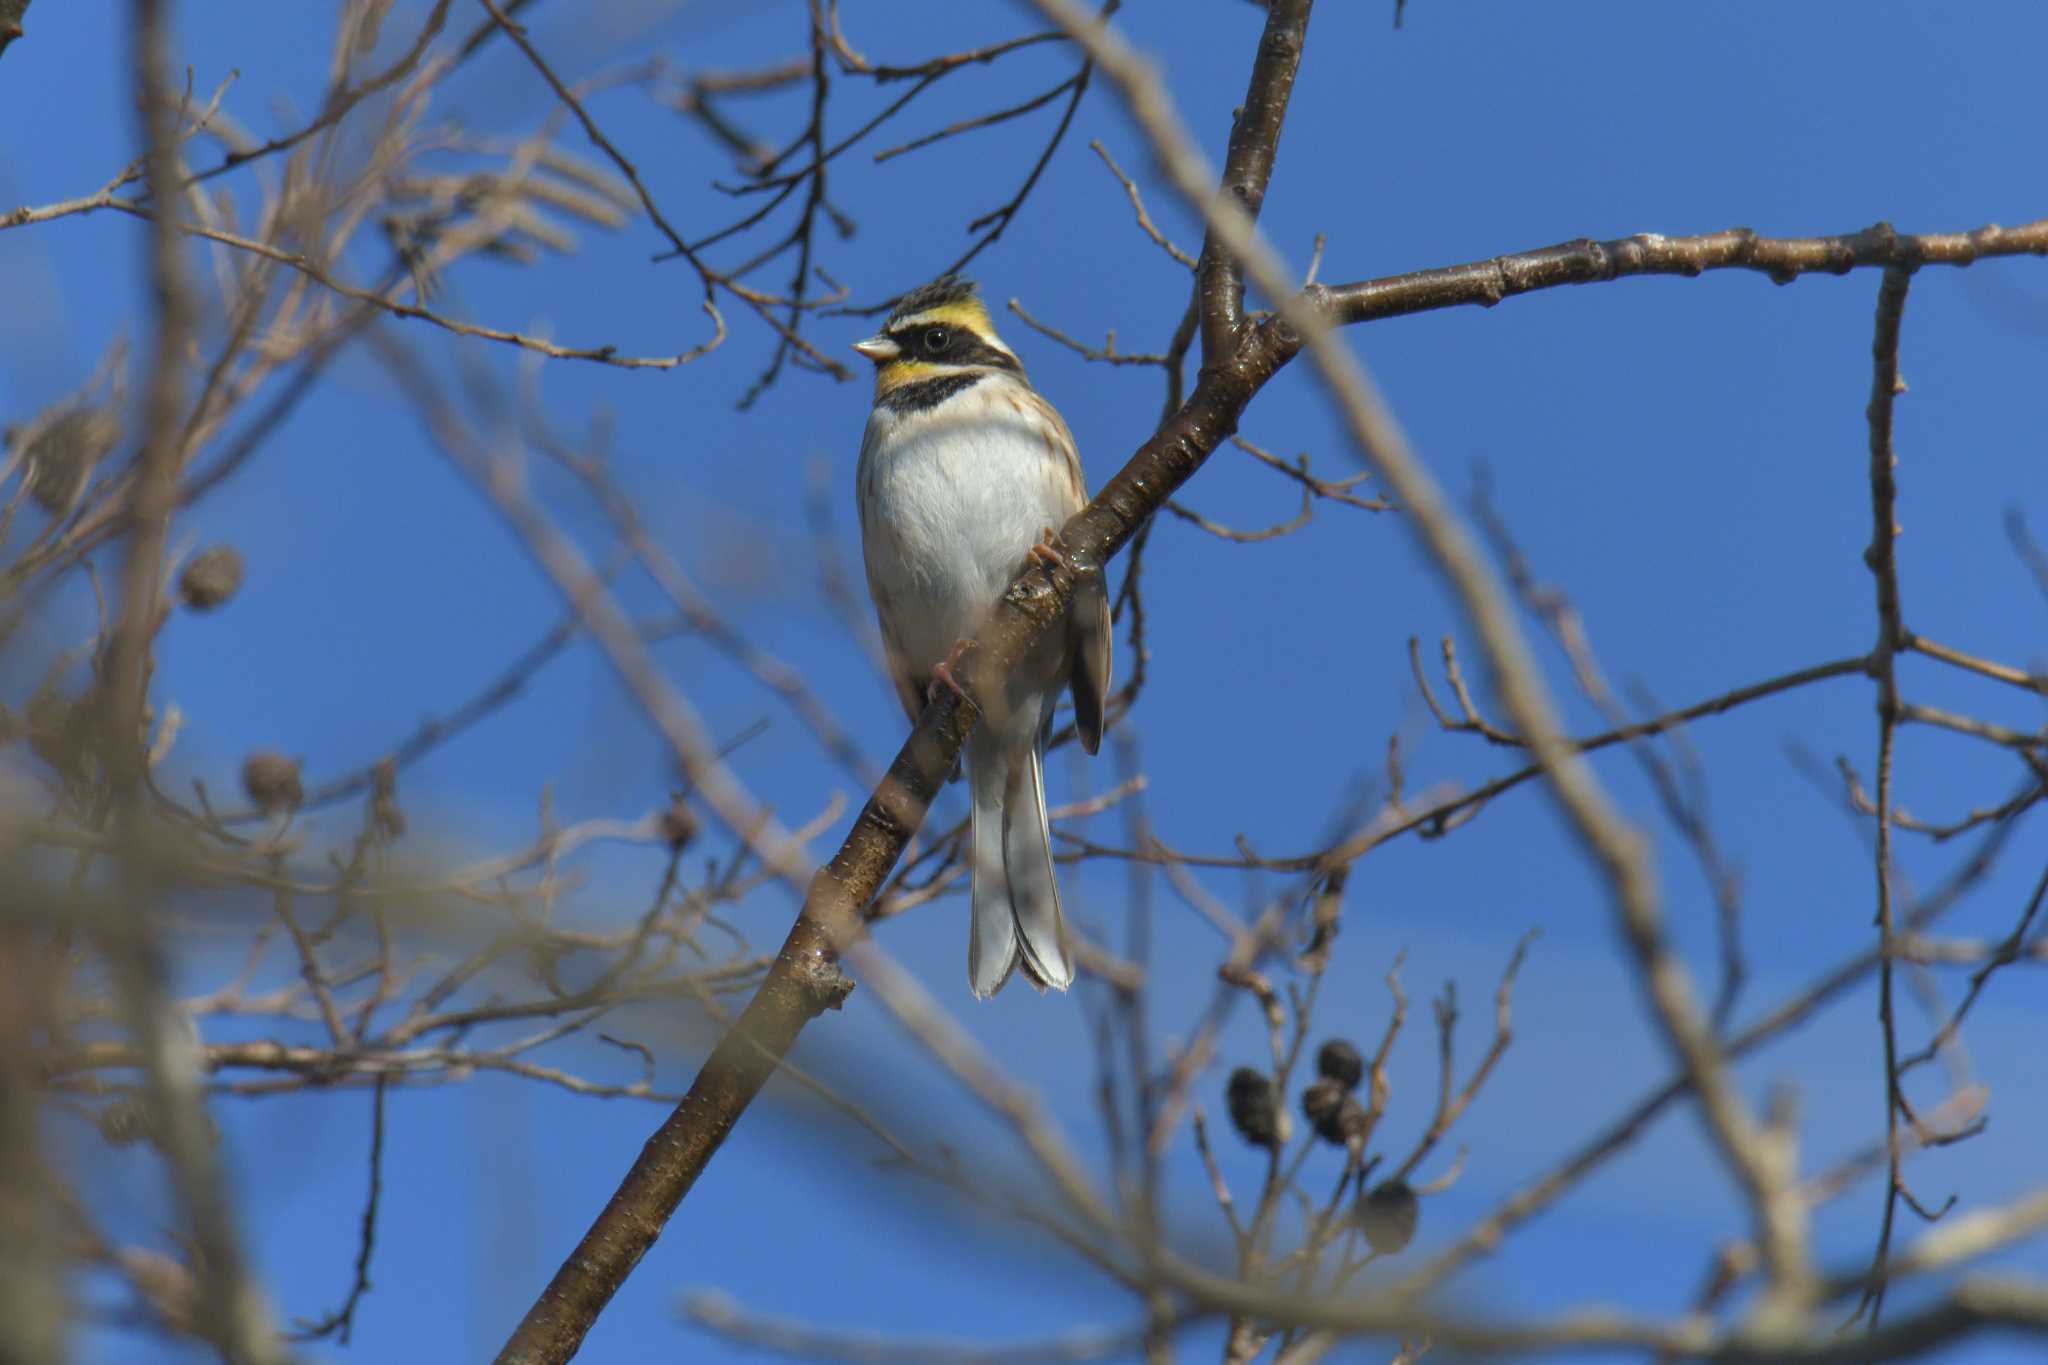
(965, 470)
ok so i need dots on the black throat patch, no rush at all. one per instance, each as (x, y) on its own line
(924, 394)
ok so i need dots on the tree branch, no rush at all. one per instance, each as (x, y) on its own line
(1783, 259)
(1247, 168)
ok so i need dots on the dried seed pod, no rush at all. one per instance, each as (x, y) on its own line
(64, 451)
(272, 782)
(1334, 1112)
(212, 577)
(1321, 1101)
(1253, 1113)
(1341, 1062)
(1387, 1214)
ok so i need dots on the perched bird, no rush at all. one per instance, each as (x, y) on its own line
(965, 471)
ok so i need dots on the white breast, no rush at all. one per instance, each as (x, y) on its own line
(951, 500)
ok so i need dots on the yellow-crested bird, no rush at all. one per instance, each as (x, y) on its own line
(964, 471)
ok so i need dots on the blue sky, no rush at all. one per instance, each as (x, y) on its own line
(1685, 457)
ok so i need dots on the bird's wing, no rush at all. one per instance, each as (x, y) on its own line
(1088, 625)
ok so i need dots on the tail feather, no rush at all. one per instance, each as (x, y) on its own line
(1016, 897)
(992, 937)
(1034, 888)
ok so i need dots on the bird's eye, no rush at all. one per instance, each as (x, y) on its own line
(936, 339)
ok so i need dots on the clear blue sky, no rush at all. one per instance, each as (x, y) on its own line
(1686, 457)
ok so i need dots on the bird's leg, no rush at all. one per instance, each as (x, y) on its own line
(1044, 554)
(942, 674)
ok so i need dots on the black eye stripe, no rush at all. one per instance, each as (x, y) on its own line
(963, 346)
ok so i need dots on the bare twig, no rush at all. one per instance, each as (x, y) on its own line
(1881, 557)
(1138, 206)
(341, 1322)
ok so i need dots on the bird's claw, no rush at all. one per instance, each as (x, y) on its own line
(1044, 553)
(944, 676)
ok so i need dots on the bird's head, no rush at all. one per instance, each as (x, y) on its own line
(936, 329)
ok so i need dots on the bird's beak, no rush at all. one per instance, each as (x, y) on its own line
(878, 349)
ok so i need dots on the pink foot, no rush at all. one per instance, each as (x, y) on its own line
(1044, 554)
(943, 676)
